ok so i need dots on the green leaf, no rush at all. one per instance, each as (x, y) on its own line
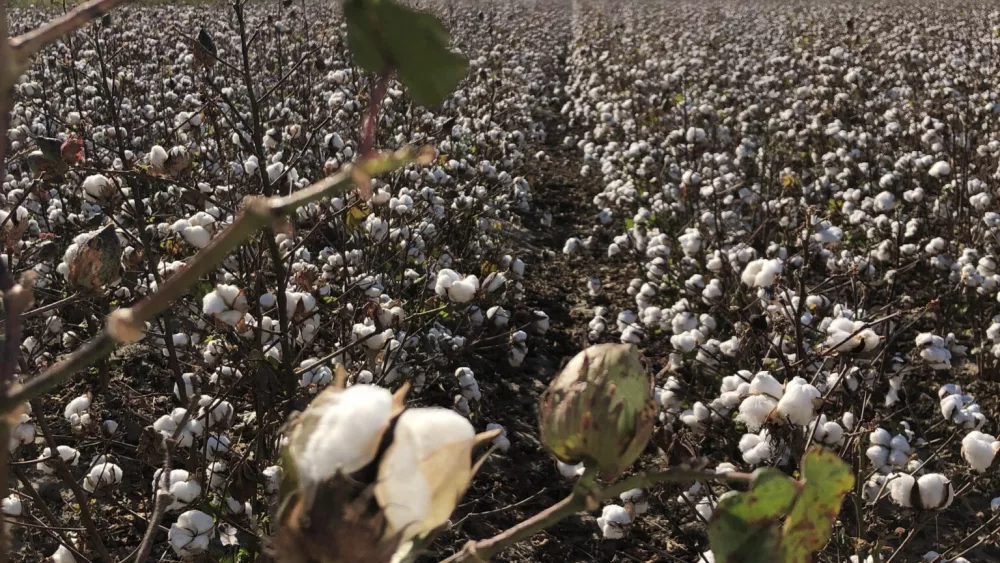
(744, 526)
(827, 479)
(383, 34)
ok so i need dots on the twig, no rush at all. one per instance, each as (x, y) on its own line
(258, 213)
(584, 495)
(30, 43)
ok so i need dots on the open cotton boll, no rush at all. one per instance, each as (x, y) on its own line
(755, 410)
(158, 157)
(467, 381)
(940, 169)
(180, 485)
(756, 448)
(936, 492)
(346, 432)
(463, 290)
(900, 489)
(501, 441)
(638, 498)
(796, 404)
(979, 449)
(416, 488)
(191, 534)
(570, 471)
(11, 506)
(102, 476)
(76, 409)
(614, 522)
(763, 383)
(63, 555)
(445, 278)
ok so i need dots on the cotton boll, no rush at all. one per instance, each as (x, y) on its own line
(102, 476)
(614, 522)
(347, 433)
(12, 506)
(756, 448)
(936, 492)
(501, 441)
(570, 471)
(979, 449)
(939, 169)
(463, 290)
(880, 437)
(878, 455)
(900, 489)
(191, 534)
(755, 410)
(63, 555)
(796, 405)
(763, 383)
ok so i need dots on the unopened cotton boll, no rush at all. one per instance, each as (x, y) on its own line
(614, 522)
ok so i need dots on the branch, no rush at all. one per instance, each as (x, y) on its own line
(258, 213)
(24, 46)
(585, 494)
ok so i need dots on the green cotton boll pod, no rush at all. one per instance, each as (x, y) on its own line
(600, 409)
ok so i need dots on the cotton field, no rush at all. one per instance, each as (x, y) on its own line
(790, 210)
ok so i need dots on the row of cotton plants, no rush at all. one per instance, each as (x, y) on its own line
(132, 151)
(801, 231)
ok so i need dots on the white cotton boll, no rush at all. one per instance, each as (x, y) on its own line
(101, 476)
(63, 555)
(274, 171)
(467, 381)
(755, 410)
(572, 246)
(638, 498)
(501, 441)
(197, 236)
(878, 455)
(570, 471)
(936, 492)
(940, 169)
(900, 489)
(848, 420)
(796, 404)
(158, 157)
(884, 202)
(347, 433)
(756, 448)
(834, 434)
(705, 508)
(880, 437)
(212, 304)
(77, 407)
(764, 383)
(11, 506)
(995, 505)
(272, 479)
(463, 290)
(614, 522)
(445, 278)
(191, 534)
(979, 449)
